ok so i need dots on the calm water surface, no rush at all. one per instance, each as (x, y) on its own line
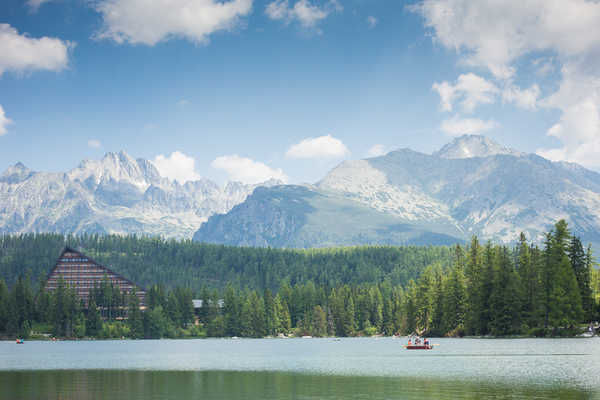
(357, 368)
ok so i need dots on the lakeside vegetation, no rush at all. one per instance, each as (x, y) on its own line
(150, 260)
(438, 291)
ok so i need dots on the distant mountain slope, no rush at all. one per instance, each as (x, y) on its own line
(302, 217)
(471, 186)
(117, 194)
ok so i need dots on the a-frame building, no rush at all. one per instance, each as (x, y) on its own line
(81, 273)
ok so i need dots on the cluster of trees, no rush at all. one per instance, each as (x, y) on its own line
(498, 291)
(471, 290)
(306, 309)
(109, 313)
(487, 290)
(148, 260)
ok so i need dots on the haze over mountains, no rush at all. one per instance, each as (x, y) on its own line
(470, 186)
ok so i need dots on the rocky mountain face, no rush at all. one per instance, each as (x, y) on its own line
(305, 216)
(117, 194)
(471, 186)
(471, 146)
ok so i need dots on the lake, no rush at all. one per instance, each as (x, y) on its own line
(349, 368)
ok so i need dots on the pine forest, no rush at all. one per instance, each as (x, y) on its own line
(477, 289)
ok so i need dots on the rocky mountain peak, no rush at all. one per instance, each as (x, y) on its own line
(471, 146)
(16, 173)
(117, 167)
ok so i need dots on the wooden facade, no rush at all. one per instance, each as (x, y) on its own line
(81, 273)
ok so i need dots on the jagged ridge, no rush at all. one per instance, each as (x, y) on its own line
(472, 186)
(117, 194)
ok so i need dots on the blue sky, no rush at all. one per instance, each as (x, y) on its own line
(251, 89)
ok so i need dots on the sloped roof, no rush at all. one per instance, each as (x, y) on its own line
(68, 249)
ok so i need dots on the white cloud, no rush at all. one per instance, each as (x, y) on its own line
(149, 22)
(307, 14)
(579, 126)
(246, 170)
(376, 150)
(493, 34)
(470, 89)
(372, 21)
(21, 53)
(319, 147)
(4, 122)
(522, 98)
(496, 34)
(94, 144)
(34, 5)
(183, 102)
(456, 126)
(178, 166)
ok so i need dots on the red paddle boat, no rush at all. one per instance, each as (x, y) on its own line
(416, 343)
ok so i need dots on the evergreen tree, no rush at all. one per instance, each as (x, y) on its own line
(566, 308)
(60, 309)
(505, 304)
(79, 325)
(258, 315)
(581, 264)
(425, 300)
(388, 316)
(349, 323)
(319, 322)
(271, 314)
(22, 306)
(437, 319)
(474, 281)
(203, 313)
(411, 307)
(285, 322)
(135, 319)
(155, 323)
(155, 297)
(529, 276)
(216, 327)
(4, 303)
(93, 323)
(172, 310)
(563, 301)
(186, 305)
(231, 311)
(246, 318)
(455, 302)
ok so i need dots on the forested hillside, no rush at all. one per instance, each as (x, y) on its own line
(148, 261)
(473, 290)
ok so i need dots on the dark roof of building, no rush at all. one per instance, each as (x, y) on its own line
(68, 249)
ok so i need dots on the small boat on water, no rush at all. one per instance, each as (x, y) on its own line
(418, 347)
(20, 341)
(416, 343)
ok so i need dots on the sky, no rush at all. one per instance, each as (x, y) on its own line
(249, 90)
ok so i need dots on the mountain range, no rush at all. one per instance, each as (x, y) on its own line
(117, 194)
(471, 186)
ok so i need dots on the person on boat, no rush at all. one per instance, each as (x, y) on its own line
(426, 342)
(410, 340)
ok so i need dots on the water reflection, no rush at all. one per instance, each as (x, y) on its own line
(117, 384)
